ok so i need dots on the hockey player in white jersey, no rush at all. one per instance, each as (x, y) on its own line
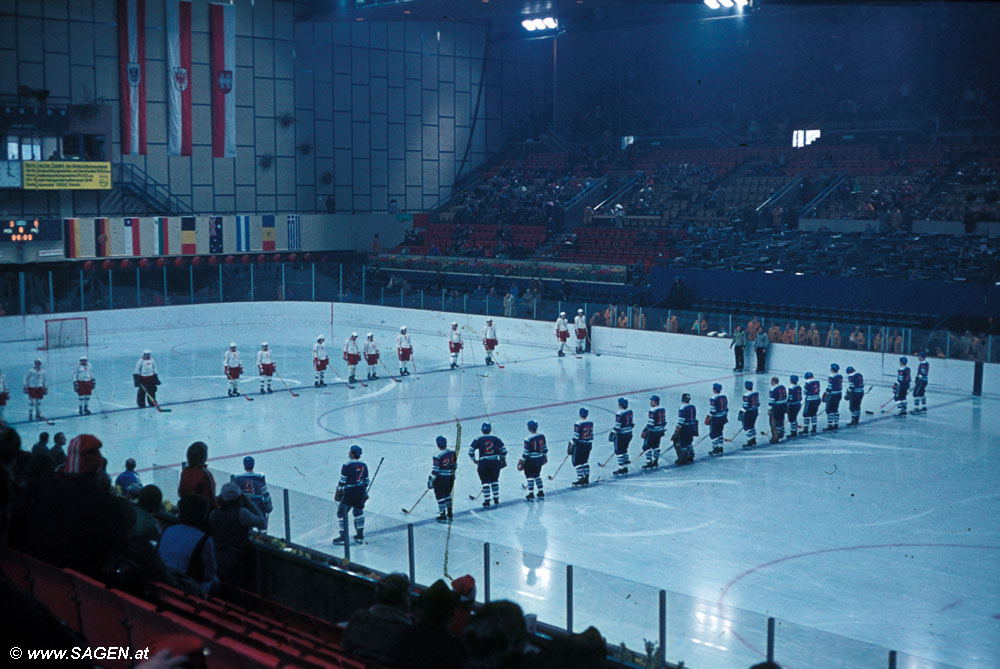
(145, 379)
(371, 356)
(320, 361)
(404, 349)
(489, 340)
(454, 344)
(83, 384)
(580, 328)
(562, 332)
(232, 368)
(352, 356)
(265, 367)
(35, 389)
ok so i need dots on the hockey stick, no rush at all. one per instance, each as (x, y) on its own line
(592, 349)
(413, 361)
(872, 413)
(410, 510)
(346, 382)
(372, 482)
(559, 468)
(500, 366)
(605, 463)
(154, 402)
(388, 371)
(739, 429)
(103, 413)
(294, 394)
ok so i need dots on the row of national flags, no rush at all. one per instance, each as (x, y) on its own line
(178, 235)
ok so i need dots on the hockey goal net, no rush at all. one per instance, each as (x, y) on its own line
(65, 332)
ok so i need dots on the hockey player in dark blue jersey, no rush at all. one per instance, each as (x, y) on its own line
(534, 455)
(748, 415)
(254, 488)
(794, 405)
(579, 448)
(920, 384)
(653, 433)
(685, 432)
(442, 478)
(352, 493)
(621, 435)
(855, 393)
(832, 394)
(492, 457)
(777, 405)
(902, 386)
(812, 402)
(718, 416)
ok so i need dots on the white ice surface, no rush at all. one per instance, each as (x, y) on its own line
(881, 537)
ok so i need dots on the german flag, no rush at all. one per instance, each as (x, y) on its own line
(189, 244)
(71, 238)
(102, 237)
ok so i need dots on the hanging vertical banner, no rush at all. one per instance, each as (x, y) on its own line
(267, 232)
(133, 241)
(102, 237)
(189, 243)
(71, 238)
(215, 234)
(222, 23)
(132, 74)
(161, 227)
(178, 13)
(242, 233)
(294, 233)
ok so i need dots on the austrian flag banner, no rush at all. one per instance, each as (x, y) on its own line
(132, 74)
(222, 22)
(178, 13)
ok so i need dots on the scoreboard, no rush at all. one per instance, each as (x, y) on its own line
(21, 231)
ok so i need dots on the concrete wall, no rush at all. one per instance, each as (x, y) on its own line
(426, 326)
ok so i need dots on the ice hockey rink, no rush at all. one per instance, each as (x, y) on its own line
(881, 537)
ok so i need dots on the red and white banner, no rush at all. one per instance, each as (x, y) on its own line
(222, 22)
(132, 74)
(178, 77)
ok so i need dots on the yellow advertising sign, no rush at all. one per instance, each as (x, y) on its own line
(66, 175)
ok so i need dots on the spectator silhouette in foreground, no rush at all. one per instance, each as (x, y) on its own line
(429, 644)
(187, 549)
(195, 478)
(230, 525)
(374, 633)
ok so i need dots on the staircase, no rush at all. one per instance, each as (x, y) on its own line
(133, 192)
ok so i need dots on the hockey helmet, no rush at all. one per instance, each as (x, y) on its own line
(320, 338)
(402, 328)
(579, 311)
(562, 314)
(793, 378)
(685, 398)
(654, 398)
(583, 412)
(441, 442)
(922, 355)
(748, 385)
(835, 367)
(850, 370)
(532, 425)
(38, 361)
(487, 428)
(355, 451)
(717, 387)
(232, 344)
(248, 463)
(809, 375)
(370, 335)
(263, 344)
(83, 357)
(622, 402)
(147, 352)
(903, 360)
(354, 335)
(489, 320)
(454, 324)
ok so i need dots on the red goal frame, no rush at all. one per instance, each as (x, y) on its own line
(54, 337)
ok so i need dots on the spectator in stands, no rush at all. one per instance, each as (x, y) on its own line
(374, 633)
(147, 505)
(833, 338)
(877, 342)
(760, 348)
(738, 344)
(897, 342)
(639, 322)
(497, 636)
(187, 549)
(672, 325)
(774, 334)
(128, 481)
(429, 643)
(801, 335)
(622, 318)
(465, 591)
(700, 326)
(57, 451)
(853, 338)
(41, 446)
(788, 336)
(195, 478)
(508, 304)
(230, 525)
(813, 335)
(752, 327)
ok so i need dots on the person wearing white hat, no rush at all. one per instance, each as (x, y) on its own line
(489, 340)
(83, 384)
(352, 356)
(580, 325)
(34, 388)
(232, 368)
(454, 344)
(265, 367)
(145, 379)
(404, 349)
(371, 356)
(320, 361)
(562, 332)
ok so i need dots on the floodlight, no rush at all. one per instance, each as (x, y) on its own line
(538, 23)
(741, 3)
(712, 4)
(552, 24)
(726, 3)
(528, 24)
